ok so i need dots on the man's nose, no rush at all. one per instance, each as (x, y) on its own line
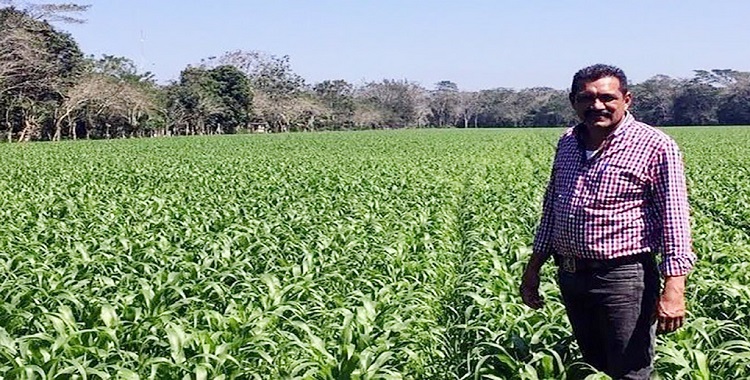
(597, 104)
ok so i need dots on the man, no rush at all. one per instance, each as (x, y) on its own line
(616, 198)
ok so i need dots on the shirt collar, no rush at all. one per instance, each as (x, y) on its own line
(619, 129)
(622, 126)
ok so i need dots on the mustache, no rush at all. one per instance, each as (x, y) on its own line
(592, 113)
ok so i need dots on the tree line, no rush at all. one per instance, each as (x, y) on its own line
(49, 90)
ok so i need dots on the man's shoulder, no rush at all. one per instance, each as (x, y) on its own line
(567, 143)
(568, 134)
(649, 135)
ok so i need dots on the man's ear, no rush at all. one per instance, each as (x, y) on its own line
(628, 100)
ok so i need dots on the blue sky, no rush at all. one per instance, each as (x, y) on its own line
(479, 44)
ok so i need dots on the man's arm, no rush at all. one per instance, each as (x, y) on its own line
(670, 199)
(542, 250)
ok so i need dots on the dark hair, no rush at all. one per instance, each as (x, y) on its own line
(595, 72)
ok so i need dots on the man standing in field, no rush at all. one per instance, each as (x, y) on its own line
(616, 198)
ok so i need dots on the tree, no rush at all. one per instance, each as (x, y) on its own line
(401, 103)
(236, 97)
(734, 106)
(37, 65)
(529, 107)
(444, 104)
(696, 104)
(307, 113)
(267, 73)
(540, 106)
(551, 109)
(135, 107)
(217, 100)
(112, 99)
(468, 107)
(338, 97)
(367, 114)
(50, 12)
(720, 78)
(653, 100)
(92, 93)
(196, 99)
(120, 68)
(273, 82)
(495, 107)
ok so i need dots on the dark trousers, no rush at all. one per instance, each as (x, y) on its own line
(612, 311)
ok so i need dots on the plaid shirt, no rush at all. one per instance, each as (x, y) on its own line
(628, 198)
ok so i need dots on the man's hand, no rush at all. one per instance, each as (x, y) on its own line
(670, 311)
(530, 288)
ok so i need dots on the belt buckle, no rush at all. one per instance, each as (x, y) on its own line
(568, 264)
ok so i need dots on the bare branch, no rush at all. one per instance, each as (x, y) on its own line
(68, 13)
(23, 62)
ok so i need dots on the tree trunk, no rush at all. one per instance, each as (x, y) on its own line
(284, 125)
(73, 132)
(133, 120)
(30, 127)
(9, 125)
(58, 129)
(26, 132)
(311, 123)
(89, 126)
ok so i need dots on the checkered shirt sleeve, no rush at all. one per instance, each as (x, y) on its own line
(543, 239)
(672, 210)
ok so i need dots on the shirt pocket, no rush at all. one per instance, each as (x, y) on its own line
(617, 184)
(563, 189)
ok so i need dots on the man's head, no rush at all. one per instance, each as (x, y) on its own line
(600, 95)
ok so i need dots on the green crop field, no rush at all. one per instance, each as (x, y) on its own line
(360, 255)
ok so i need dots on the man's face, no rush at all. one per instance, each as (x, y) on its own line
(600, 103)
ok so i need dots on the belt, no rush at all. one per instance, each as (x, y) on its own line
(573, 264)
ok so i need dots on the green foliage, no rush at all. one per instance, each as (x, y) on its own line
(357, 255)
(696, 104)
(734, 108)
(338, 96)
(210, 100)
